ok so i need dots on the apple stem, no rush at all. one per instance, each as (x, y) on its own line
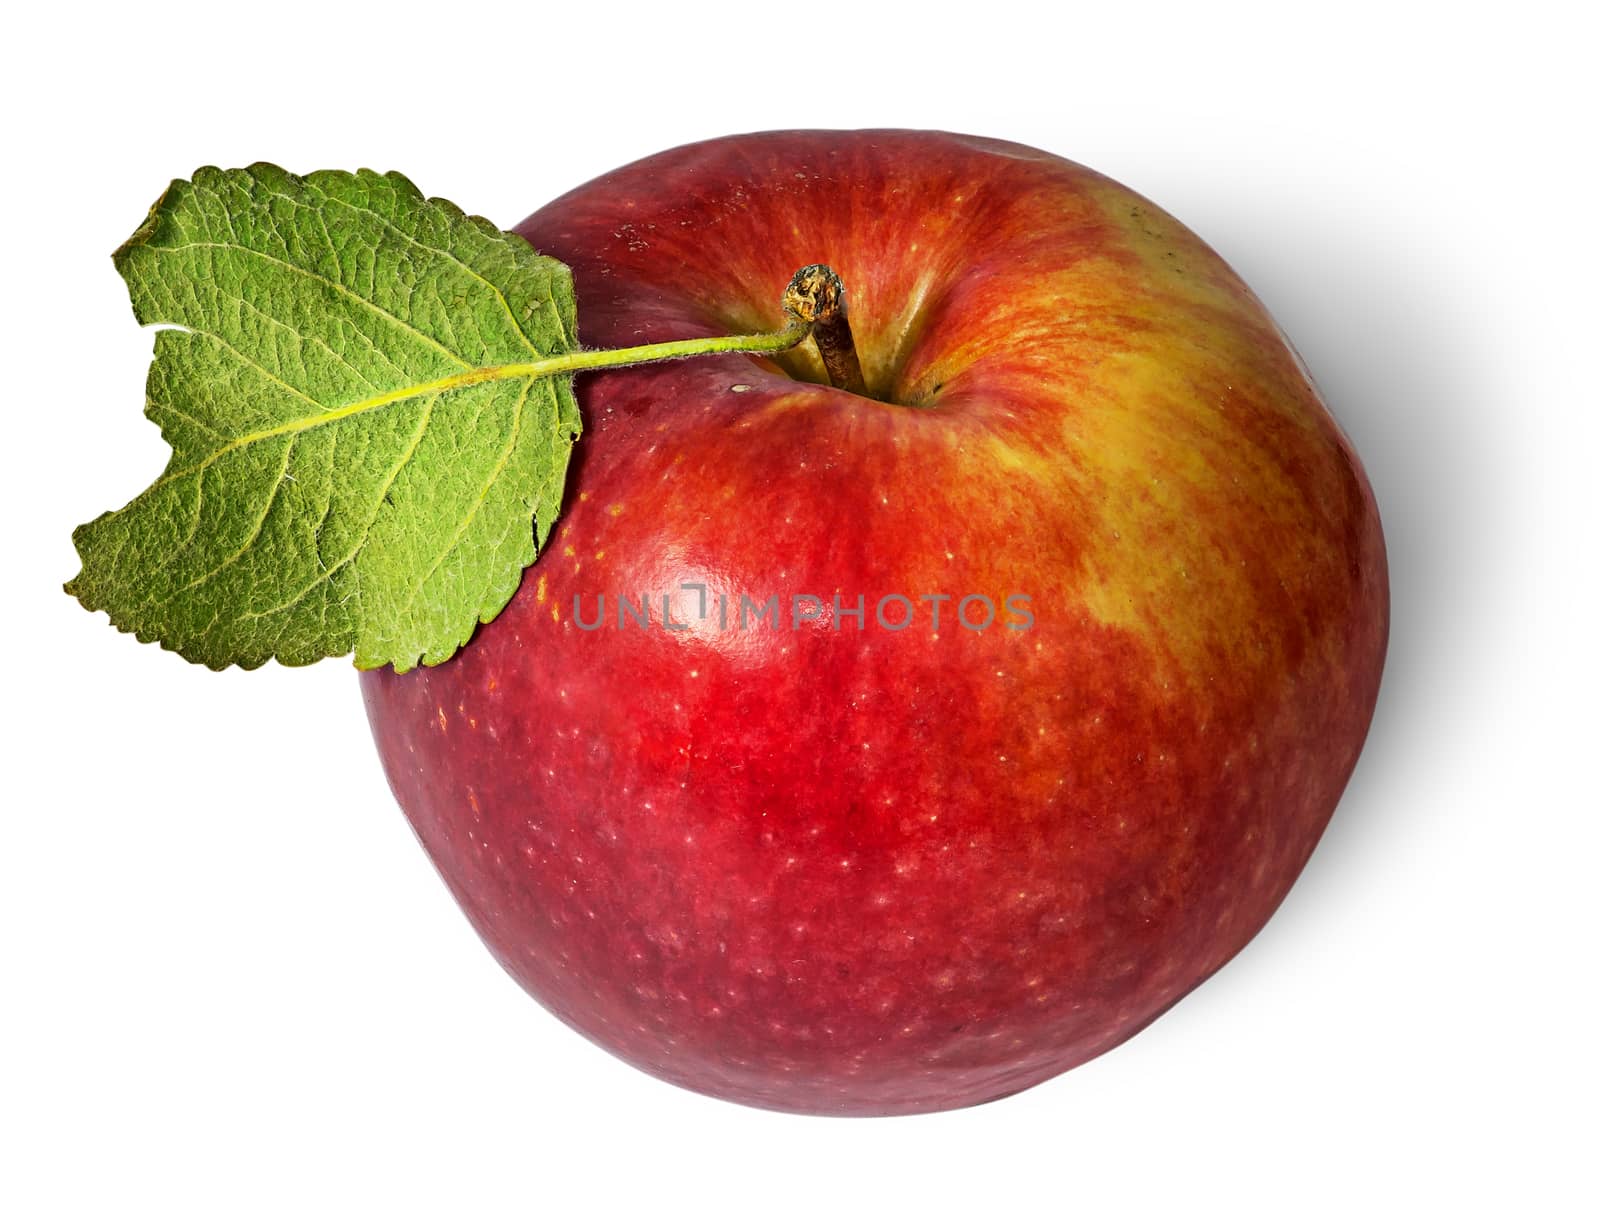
(816, 295)
(813, 303)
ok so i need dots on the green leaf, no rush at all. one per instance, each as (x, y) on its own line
(365, 454)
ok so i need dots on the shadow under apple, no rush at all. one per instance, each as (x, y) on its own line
(1388, 327)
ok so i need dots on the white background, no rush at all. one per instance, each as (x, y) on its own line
(231, 982)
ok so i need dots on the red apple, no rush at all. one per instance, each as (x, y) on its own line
(845, 868)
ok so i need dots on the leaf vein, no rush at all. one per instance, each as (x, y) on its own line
(449, 256)
(255, 530)
(483, 495)
(355, 549)
(333, 284)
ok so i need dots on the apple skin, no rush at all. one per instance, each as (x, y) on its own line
(856, 871)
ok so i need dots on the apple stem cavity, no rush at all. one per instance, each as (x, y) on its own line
(816, 295)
